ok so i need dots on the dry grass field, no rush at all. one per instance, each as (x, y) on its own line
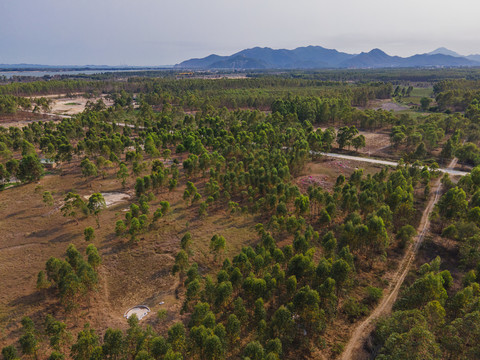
(130, 274)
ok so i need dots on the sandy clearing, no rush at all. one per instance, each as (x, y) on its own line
(386, 104)
(73, 105)
(113, 198)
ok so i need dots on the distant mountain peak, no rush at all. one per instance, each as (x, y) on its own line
(444, 51)
(377, 51)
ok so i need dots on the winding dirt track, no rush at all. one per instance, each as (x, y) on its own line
(363, 330)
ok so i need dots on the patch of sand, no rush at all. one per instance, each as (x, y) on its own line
(74, 105)
(112, 198)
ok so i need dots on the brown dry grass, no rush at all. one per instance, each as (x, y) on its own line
(324, 172)
(130, 274)
(23, 118)
(377, 143)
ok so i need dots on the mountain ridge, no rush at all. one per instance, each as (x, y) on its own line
(318, 57)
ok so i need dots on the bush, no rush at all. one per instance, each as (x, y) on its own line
(374, 295)
(354, 310)
(162, 314)
(120, 227)
(89, 234)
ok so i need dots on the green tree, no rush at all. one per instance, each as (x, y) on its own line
(47, 198)
(177, 337)
(282, 325)
(358, 142)
(122, 173)
(96, 203)
(29, 344)
(30, 169)
(186, 242)
(302, 204)
(9, 353)
(93, 256)
(453, 203)
(217, 245)
(254, 351)
(345, 135)
(42, 282)
(56, 356)
(28, 341)
(89, 234)
(340, 271)
(181, 264)
(73, 203)
(428, 288)
(58, 333)
(425, 103)
(120, 227)
(87, 341)
(418, 343)
(88, 168)
(233, 328)
(139, 186)
(159, 347)
(214, 348)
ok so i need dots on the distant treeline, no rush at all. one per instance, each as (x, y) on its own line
(195, 94)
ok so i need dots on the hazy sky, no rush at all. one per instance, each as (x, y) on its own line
(158, 32)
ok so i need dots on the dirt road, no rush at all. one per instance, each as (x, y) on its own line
(353, 349)
(449, 170)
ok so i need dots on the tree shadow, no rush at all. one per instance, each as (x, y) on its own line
(64, 238)
(43, 233)
(15, 214)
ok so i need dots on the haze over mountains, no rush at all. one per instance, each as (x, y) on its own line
(309, 57)
(317, 57)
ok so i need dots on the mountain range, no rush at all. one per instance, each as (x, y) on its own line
(317, 57)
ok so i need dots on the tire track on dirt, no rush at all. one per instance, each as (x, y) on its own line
(364, 329)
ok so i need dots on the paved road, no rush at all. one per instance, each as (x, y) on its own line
(387, 162)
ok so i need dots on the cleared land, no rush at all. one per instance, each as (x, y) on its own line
(73, 105)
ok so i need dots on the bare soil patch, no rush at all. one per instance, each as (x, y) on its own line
(113, 198)
(385, 104)
(324, 172)
(377, 142)
(73, 105)
(23, 118)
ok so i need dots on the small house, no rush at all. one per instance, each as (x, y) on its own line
(48, 164)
